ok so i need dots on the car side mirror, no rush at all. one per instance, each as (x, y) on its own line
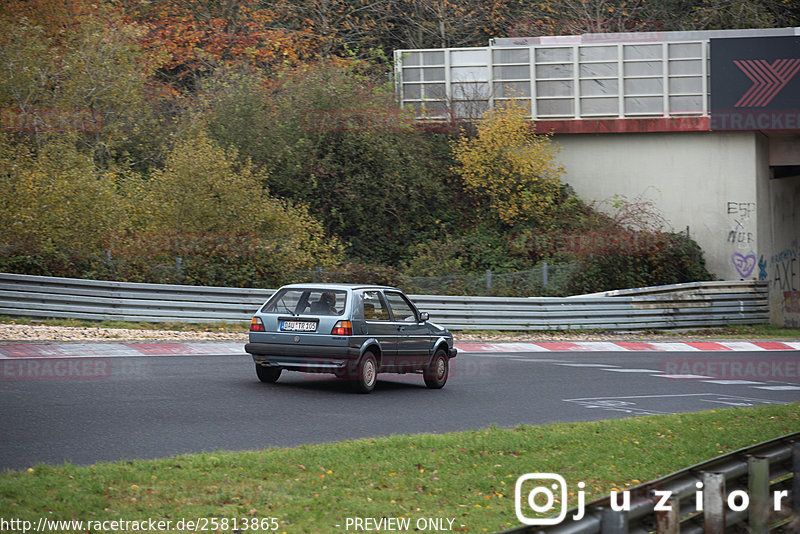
(424, 316)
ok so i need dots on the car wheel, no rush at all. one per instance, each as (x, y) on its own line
(436, 373)
(366, 373)
(268, 374)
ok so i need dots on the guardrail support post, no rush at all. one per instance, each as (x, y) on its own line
(668, 521)
(488, 281)
(713, 503)
(545, 274)
(758, 482)
(796, 480)
(613, 522)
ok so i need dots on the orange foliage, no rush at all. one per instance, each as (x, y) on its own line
(58, 18)
(191, 36)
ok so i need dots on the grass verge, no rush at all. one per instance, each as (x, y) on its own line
(466, 476)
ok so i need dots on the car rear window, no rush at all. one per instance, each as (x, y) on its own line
(299, 301)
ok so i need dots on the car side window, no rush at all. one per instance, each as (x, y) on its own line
(401, 308)
(374, 309)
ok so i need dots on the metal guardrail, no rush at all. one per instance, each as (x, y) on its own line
(44, 296)
(712, 304)
(702, 305)
(753, 475)
(688, 288)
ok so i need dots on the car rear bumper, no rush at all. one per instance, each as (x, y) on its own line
(312, 359)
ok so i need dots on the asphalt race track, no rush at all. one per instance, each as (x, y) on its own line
(149, 407)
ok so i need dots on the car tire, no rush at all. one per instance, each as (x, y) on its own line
(267, 374)
(437, 371)
(366, 374)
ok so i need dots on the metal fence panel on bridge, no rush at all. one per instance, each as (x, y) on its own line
(576, 77)
(702, 304)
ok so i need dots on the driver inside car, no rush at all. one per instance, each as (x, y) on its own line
(326, 304)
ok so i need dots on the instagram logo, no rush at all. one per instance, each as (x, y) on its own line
(551, 489)
(541, 498)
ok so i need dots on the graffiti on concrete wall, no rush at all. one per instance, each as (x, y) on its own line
(784, 270)
(792, 301)
(762, 268)
(791, 310)
(741, 214)
(745, 264)
(740, 235)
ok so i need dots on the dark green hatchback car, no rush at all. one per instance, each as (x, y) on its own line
(353, 331)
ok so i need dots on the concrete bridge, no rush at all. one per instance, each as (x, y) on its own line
(704, 124)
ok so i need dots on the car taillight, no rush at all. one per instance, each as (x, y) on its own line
(256, 325)
(343, 328)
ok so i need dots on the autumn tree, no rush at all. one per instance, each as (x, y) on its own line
(213, 210)
(85, 75)
(29, 70)
(514, 169)
(53, 199)
(372, 30)
(191, 38)
(575, 17)
(56, 18)
(338, 26)
(332, 138)
(729, 14)
(450, 23)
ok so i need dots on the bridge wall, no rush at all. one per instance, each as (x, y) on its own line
(721, 186)
(705, 125)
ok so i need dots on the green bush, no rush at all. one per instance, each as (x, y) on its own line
(43, 262)
(203, 258)
(54, 201)
(333, 139)
(354, 273)
(63, 217)
(475, 251)
(659, 259)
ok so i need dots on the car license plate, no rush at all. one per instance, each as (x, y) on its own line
(299, 326)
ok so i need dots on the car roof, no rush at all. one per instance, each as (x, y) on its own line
(345, 287)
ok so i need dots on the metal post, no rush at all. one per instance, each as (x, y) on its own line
(796, 479)
(713, 503)
(544, 274)
(318, 274)
(613, 522)
(669, 521)
(758, 482)
(179, 266)
(488, 281)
